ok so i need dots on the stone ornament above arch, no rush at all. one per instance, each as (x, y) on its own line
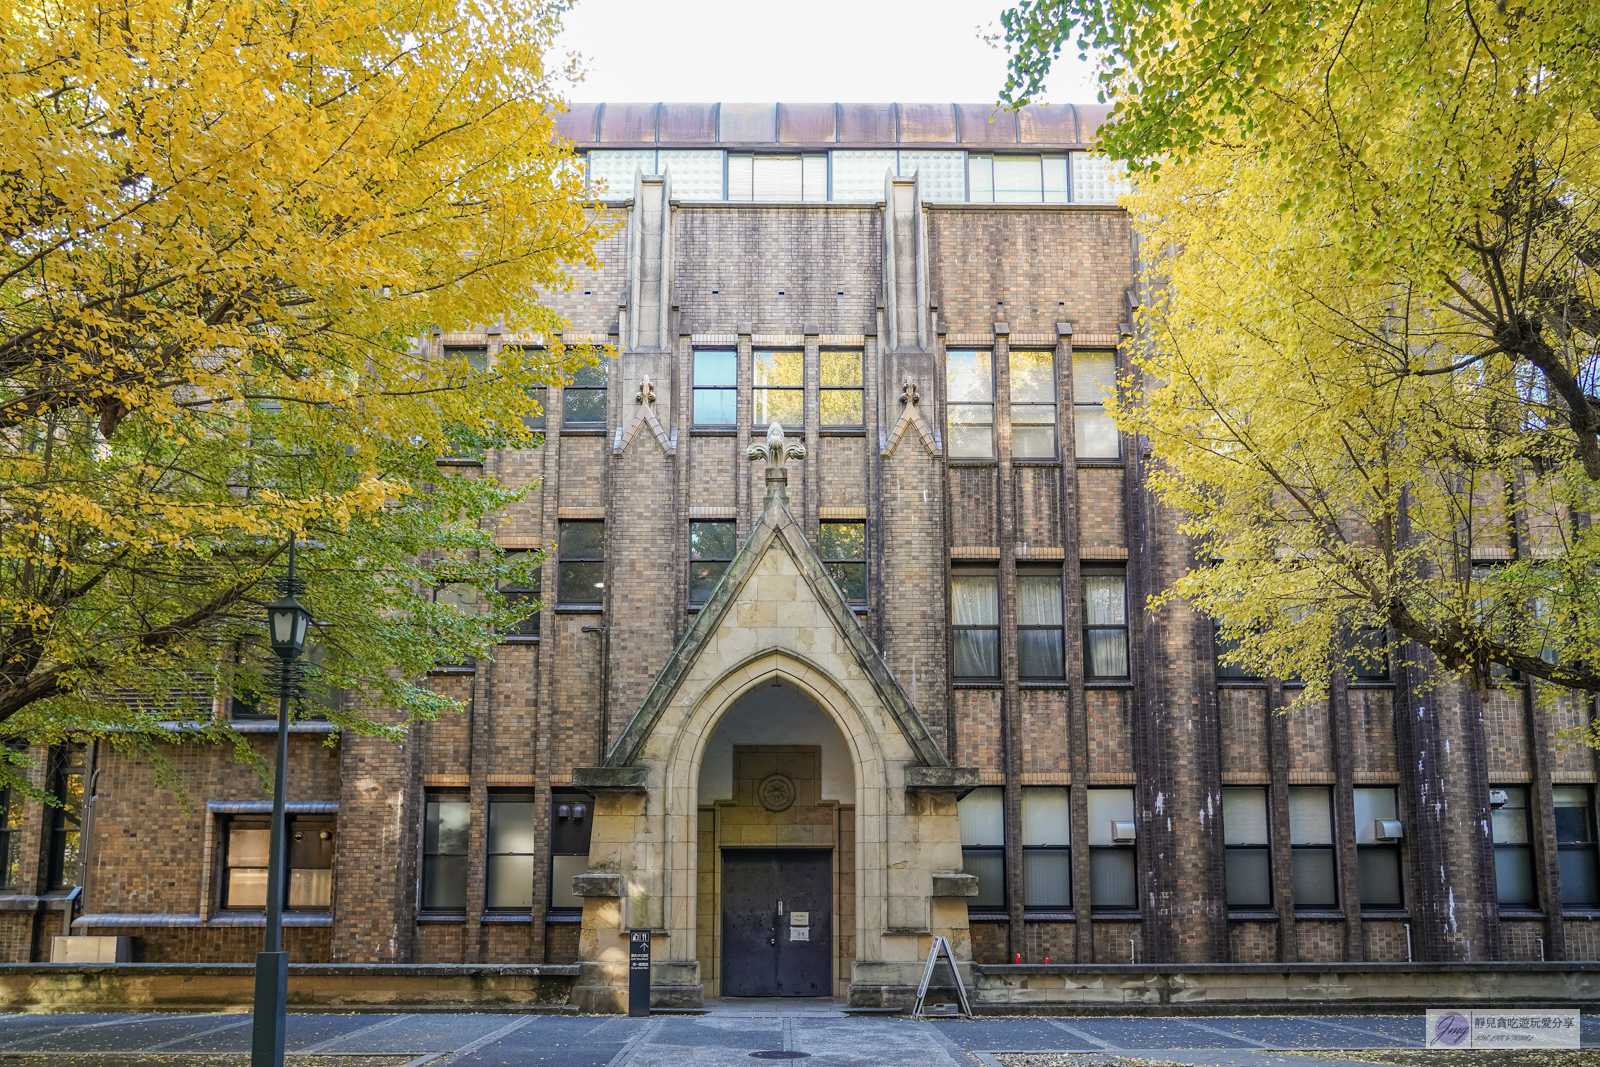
(777, 792)
(910, 418)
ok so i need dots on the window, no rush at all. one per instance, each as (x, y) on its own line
(512, 843)
(1311, 847)
(1018, 179)
(585, 397)
(969, 380)
(1247, 857)
(581, 569)
(66, 785)
(1046, 848)
(1094, 375)
(1233, 672)
(539, 394)
(716, 387)
(779, 388)
(475, 356)
(463, 597)
(975, 614)
(696, 173)
(523, 596)
(247, 856)
(1097, 179)
(844, 556)
(317, 705)
(983, 840)
(1575, 846)
(569, 847)
(859, 174)
(1039, 648)
(1112, 869)
(445, 832)
(1378, 848)
(1033, 405)
(1513, 850)
(784, 178)
(1367, 658)
(711, 549)
(1105, 624)
(839, 395)
(10, 838)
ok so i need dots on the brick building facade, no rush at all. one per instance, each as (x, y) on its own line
(908, 637)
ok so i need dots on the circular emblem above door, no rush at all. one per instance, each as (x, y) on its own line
(776, 792)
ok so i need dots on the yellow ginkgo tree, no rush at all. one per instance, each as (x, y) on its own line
(1370, 334)
(226, 226)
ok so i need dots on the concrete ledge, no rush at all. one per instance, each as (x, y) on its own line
(941, 779)
(116, 987)
(595, 884)
(610, 779)
(954, 884)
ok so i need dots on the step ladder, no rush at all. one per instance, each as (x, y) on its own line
(940, 944)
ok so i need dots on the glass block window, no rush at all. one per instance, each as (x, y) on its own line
(66, 785)
(1113, 882)
(1247, 857)
(696, 173)
(711, 549)
(1094, 375)
(1513, 848)
(1575, 846)
(716, 387)
(1378, 861)
(779, 393)
(571, 823)
(975, 615)
(1105, 624)
(1033, 405)
(969, 381)
(1039, 625)
(612, 171)
(983, 840)
(1046, 848)
(513, 841)
(840, 387)
(585, 397)
(1096, 179)
(447, 819)
(859, 175)
(581, 567)
(844, 555)
(1311, 847)
(943, 174)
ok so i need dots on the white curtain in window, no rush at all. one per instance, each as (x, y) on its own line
(975, 600)
(1038, 600)
(1104, 600)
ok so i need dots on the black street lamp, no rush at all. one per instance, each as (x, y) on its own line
(287, 621)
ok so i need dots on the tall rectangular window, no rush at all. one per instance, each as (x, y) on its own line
(1247, 855)
(570, 825)
(1237, 672)
(1094, 376)
(1575, 846)
(584, 397)
(844, 555)
(1046, 848)
(10, 838)
(975, 615)
(840, 387)
(983, 840)
(1367, 657)
(1113, 882)
(512, 845)
(969, 380)
(716, 387)
(310, 848)
(1033, 405)
(1513, 848)
(711, 549)
(581, 568)
(66, 785)
(523, 596)
(246, 856)
(1105, 624)
(540, 395)
(1018, 180)
(779, 388)
(446, 827)
(1377, 849)
(1039, 625)
(1311, 847)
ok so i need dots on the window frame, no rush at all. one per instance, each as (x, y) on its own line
(695, 557)
(293, 824)
(1252, 848)
(1100, 570)
(1591, 848)
(696, 389)
(528, 626)
(1054, 404)
(476, 356)
(1299, 848)
(1520, 852)
(951, 404)
(1366, 850)
(1355, 671)
(562, 560)
(430, 798)
(11, 824)
(859, 389)
(490, 854)
(1055, 573)
(1033, 851)
(1100, 850)
(988, 852)
(757, 390)
(1082, 407)
(66, 821)
(577, 385)
(992, 573)
(558, 848)
(831, 561)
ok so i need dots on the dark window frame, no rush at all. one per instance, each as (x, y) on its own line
(719, 563)
(1356, 669)
(563, 839)
(66, 819)
(1327, 851)
(581, 387)
(1221, 646)
(1587, 848)
(477, 356)
(1102, 571)
(1054, 404)
(992, 573)
(1031, 851)
(1392, 849)
(11, 819)
(1129, 849)
(563, 560)
(989, 852)
(1522, 850)
(860, 390)
(505, 796)
(428, 873)
(839, 566)
(1055, 573)
(950, 403)
(1263, 848)
(696, 389)
(528, 625)
(293, 824)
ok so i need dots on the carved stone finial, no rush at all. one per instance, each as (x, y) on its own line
(909, 395)
(776, 451)
(647, 393)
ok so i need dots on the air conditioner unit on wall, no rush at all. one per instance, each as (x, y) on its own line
(1388, 830)
(1121, 830)
(1499, 798)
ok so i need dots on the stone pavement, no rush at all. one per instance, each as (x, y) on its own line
(727, 1035)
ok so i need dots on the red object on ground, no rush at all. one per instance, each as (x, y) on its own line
(1047, 959)
(1019, 957)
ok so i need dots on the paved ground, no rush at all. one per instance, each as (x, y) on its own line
(724, 1037)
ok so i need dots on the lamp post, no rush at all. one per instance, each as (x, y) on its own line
(287, 621)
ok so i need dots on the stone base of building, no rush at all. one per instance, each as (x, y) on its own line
(602, 986)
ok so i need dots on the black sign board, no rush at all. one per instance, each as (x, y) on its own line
(638, 973)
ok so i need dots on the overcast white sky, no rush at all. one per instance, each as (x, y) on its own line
(865, 51)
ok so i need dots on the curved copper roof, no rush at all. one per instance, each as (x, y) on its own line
(806, 125)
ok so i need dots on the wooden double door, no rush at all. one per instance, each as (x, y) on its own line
(777, 922)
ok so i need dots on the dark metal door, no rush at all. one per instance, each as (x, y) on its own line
(777, 923)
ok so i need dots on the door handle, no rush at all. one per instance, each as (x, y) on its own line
(772, 941)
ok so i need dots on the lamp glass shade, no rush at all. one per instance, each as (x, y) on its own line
(288, 620)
